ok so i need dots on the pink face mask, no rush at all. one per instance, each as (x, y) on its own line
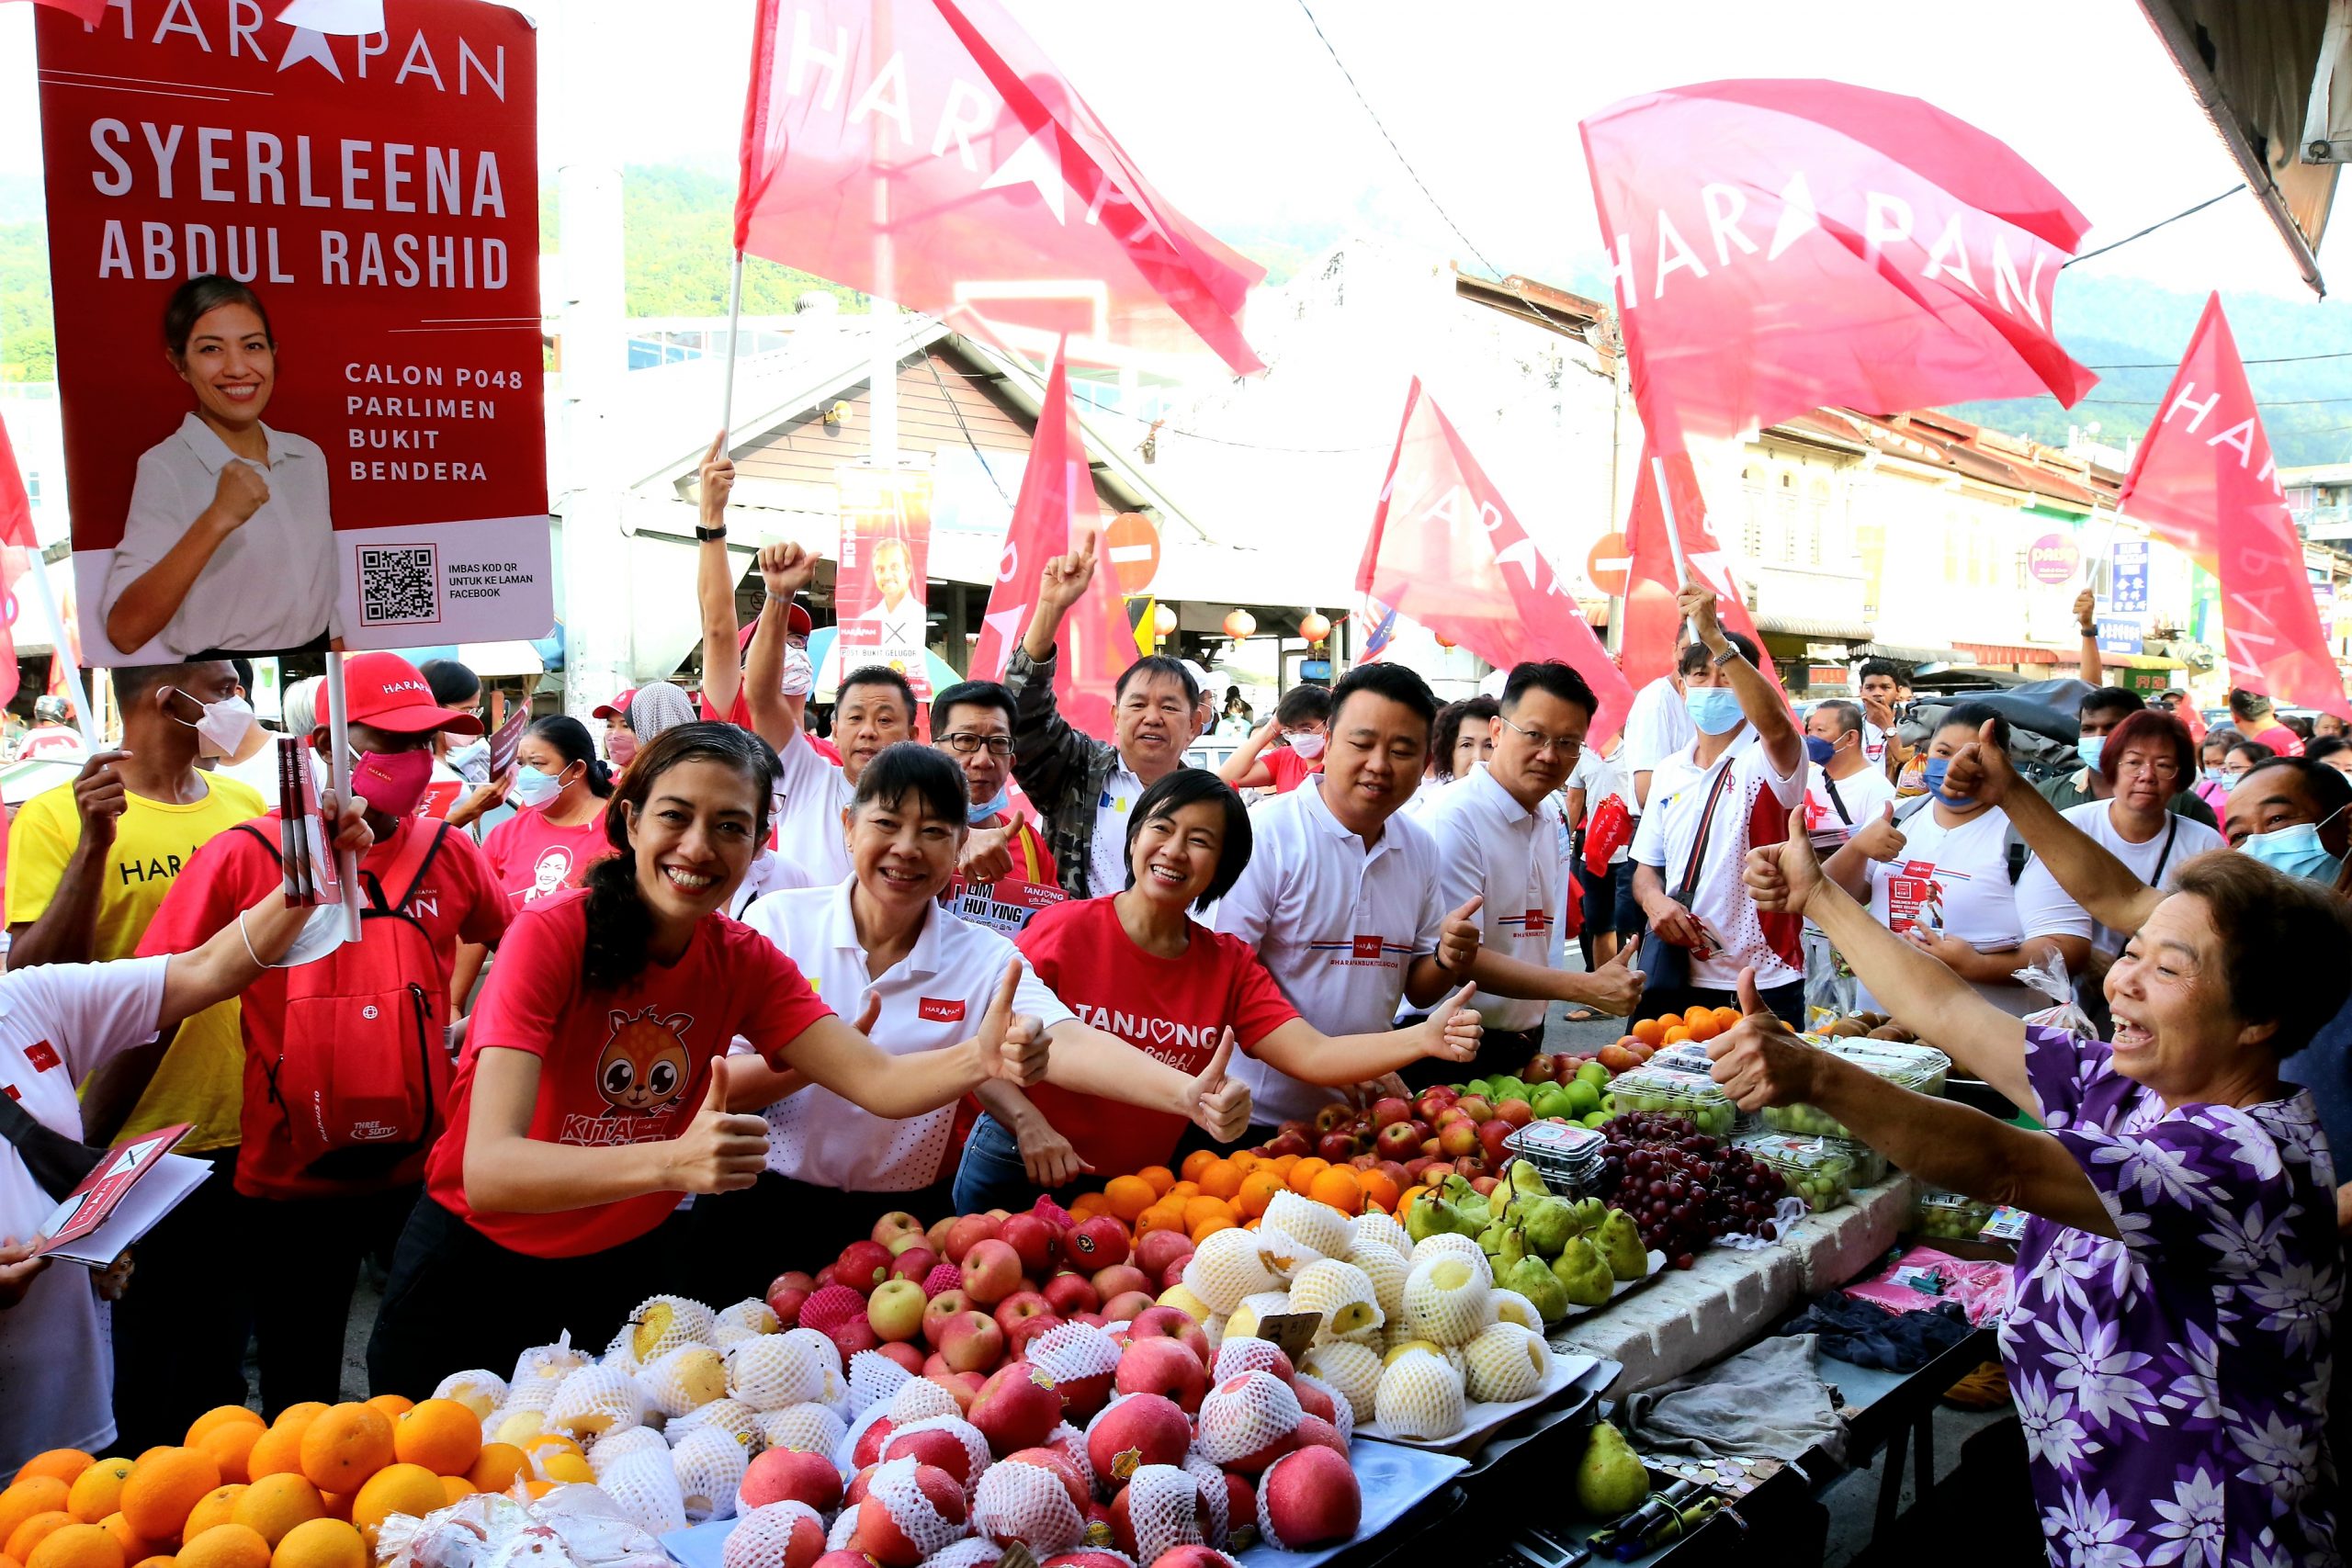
(392, 782)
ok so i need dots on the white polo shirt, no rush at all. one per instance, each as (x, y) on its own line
(1337, 923)
(59, 1023)
(1656, 726)
(1107, 861)
(933, 998)
(2043, 906)
(1488, 845)
(810, 845)
(1679, 789)
(1853, 804)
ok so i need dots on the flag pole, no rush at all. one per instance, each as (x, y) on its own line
(1673, 528)
(734, 315)
(339, 767)
(61, 653)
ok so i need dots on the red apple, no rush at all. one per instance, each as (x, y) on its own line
(1019, 1305)
(785, 1294)
(1016, 1408)
(1192, 1554)
(935, 1238)
(1170, 1323)
(1414, 1167)
(935, 1366)
(1515, 1112)
(1387, 1113)
(1068, 1294)
(1396, 1141)
(1434, 1100)
(1031, 1240)
(862, 1266)
(1318, 1431)
(1018, 1338)
(1616, 1058)
(1147, 1429)
(1491, 1134)
(1396, 1174)
(1482, 1185)
(914, 1263)
(971, 1342)
(1060, 1466)
(1460, 1139)
(906, 1355)
(1165, 1366)
(824, 1276)
(941, 1446)
(1337, 1147)
(963, 1232)
(939, 1308)
(1450, 1115)
(1119, 1279)
(1538, 1069)
(1310, 1497)
(1477, 1106)
(866, 1455)
(992, 1273)
(1122, 1308)
(1436, 1171)
(792, 1475)
(844, 1559)
(1289, 1143)
(1155, 1250)
(1331, 1117)
(1099, 1243)
(877, 1535)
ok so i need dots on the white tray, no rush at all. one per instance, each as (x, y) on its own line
(1482, 1418)
(1622, 1287)
(1393, 1479)
(698, 1546)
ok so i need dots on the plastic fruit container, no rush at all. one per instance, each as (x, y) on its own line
(1870, 1166)
(1949, 1216)
(1693, 1096)
(1818, 1170)
(1918, 1067)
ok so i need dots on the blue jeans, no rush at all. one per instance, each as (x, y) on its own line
(992, 1175)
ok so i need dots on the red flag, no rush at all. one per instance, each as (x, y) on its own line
(938, 126)
(1647, 650)
(1446, 551)
(17, 546)
(1055, 511)
(90, 11)
(2203, 480)
(1779, 245)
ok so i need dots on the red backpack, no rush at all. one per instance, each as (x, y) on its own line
(364, 1069)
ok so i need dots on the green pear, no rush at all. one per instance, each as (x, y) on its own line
(1514, 1246)
(1531, 1278)
(1610, 1478)
(1526, 1180)
(1550, 1224)
(1621, 1246)
(1590, 1211)
(1429, 1216)
(1476, 1214)
(1582, 1275)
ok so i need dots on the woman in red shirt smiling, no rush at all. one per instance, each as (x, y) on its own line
(559, 794)
(1137, 966)
(594, 1091)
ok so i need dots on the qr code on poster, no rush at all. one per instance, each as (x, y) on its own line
(399, 584)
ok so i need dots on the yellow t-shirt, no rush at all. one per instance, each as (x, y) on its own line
(202, 1077)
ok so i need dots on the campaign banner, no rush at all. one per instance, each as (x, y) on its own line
(1006, 905)
(2127, 582)
(295, 278)
(878, 583)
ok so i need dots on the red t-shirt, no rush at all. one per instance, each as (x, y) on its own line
(536, 859)
(1173, 1010)
(1290, 768)
(457, 900)
(626, 1066)
(2281, 740)
(739, 716)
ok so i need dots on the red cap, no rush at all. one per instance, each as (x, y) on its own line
(616, 707)
(385, 691)
(798, 622)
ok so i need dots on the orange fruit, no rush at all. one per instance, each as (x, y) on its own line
(338, 1505)
(396, 1489)
(1196, 1162)
(97, 1491)
(276, 1504)
(135, 1547)
(162, 1489)
(440, 1434)
(535, 1490)
(320, 1543)
(218, 1506)
(1302, 1175)
(277, 1451)
(1378, 1190)
(1677, 1035)
(1407, 1199)
(39, 1494)
(1650, 1031)
(1219, 1179)
(1703, 1028)
(1727, 1016)
(1128, 1196)
(26, 1538)
(1087, 1205)
(223, 1546)
(1245, 1161)
(160, 1559)
(220, 1416)
(64, 1463)
(1258, 1190)
(1694, 1012)
(1198, 1208)
(346, 1446)
(392, 1405)
(457, 1486)
(301, 1414)
(1183, 1189)
(1336, 1187)
(1284, 1164)
(1160, 1178)
(1209, 1227)
(494, 1468)
(76, 1546)
(1160, 1216)
(231, 1446)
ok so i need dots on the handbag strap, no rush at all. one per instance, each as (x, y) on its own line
(55, 1161)
(2172, 831)
(1698, 844)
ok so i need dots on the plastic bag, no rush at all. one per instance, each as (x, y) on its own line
(1831, 992)
(2050, 978)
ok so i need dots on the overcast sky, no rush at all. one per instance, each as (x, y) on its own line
(1236, 112)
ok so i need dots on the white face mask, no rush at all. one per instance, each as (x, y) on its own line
(227, 730)
(1308, 743)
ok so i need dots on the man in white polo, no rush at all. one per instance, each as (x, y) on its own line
(1340, 897)
(1497, 837)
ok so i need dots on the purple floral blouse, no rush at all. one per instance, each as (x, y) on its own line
(2174, 1384)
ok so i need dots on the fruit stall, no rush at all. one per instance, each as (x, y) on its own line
(1327, 1347)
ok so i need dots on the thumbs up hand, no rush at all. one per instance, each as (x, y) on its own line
(1758, 1061)
(1783, 876)
(1221, 1105)
(1458, 938)
(720, 1151)
(1012, 1045)
(1879, 839)
(1452, 1030)
(1615, 988)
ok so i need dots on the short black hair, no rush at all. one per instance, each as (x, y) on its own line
(198, 298)
(451, 682)
(2330, 790)
(1188, 786)
(133, 682)
(1552, 678)
(2298, 726)
(1303, 705)
(571, 740)
(1448, 728)
(2324, 746)
(1973, 716)
(907, 766)
(2256, 753)
(2109, 699)
(244, 669)
(1848, 714)
(2248, 704)
(1392, 681)
(1886, 666)
(1696, 657)
(971, 695)
(877, 675)
(1158, 664)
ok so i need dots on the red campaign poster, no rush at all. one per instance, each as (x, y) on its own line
(298, 326)
(86, 1208)
(1005, 905)
(878, 586)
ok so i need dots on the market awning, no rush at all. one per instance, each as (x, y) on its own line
(2026, 653)
(1819, 629)
(1909, 655)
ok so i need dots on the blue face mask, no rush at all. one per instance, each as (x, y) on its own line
(533, 787)
(1937, 768)
(2296, 851)
(976, 815)
(2088, 748)
(1820, 750)
(1714, 709)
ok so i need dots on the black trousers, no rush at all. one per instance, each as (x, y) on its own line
(458, 1300)
(1787, 1002)
(738, 1242)
(180, 1330)
(302, 1261)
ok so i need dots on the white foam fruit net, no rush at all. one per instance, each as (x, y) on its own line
(1243, 1321)
(733, 1417)
(1460, 1246)
(1312, 1224)
(1445, 1299)
(1343, 1414)
(844, 1525)
(664, 1323)
(918, 1399)
(595, 1399)
(1029, 1503)
(976, 1447)
(1386, 1270)
(765, 1538)
(709, 1465)
(1351, 1372)
(806, 1426)
(1341, 1292)
(1226, 1267)
(894, 1490)
(1510, 1306)
(614, 1446)
(770, 1371)
(1242, 1353)
(645, 1487)
(1163, 1510)
(1265, 1509)
(1420, 1396)
(478, 1391)
(1507, 1363)
(1070, 1350)
(1216, 1498)
(1242, 1416)
(873, 1378)
(972, 1551)
(620, 1350)
(540, 1371)
(1285, 1254)
(684, 1378)
(1379, 1226)
(1213, 1326)
(743, 1321)
(1071, 1443)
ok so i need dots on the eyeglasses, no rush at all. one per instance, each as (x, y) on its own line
(964, 743)
(1558, 745)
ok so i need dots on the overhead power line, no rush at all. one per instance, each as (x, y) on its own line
(2151, 229)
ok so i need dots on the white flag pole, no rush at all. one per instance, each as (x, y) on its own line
(734, 315)
(61, 654)
(1673, 529)
(339, 766)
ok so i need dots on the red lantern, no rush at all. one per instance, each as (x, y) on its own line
(1163, 621)
(1239, 624)
(1441, 639)
(1315, 625)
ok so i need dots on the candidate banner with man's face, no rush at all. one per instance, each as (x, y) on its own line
(879, 587)
(298, 326)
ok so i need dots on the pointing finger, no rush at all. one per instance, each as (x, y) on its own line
(870, 1012)
(717, 448)
(1469, 910)
(1213, 1075)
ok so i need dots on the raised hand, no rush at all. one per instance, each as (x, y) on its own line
(1458, 938)
(786, 567)
(1452, 1032)
(1220, 1105)
(1783, 877)
(719, 1151)
(1980, 770)
(1012, 1045)
(241, 491)
(715, 478)
(1697, 605)
(1879, 839)
(351, 830)
(99, 798)
(1066, 577)
(1758, 1061)
(987, 854)
(2086, 613)
(1615, 988)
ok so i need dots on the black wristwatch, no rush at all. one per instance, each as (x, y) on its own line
(707, 535)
